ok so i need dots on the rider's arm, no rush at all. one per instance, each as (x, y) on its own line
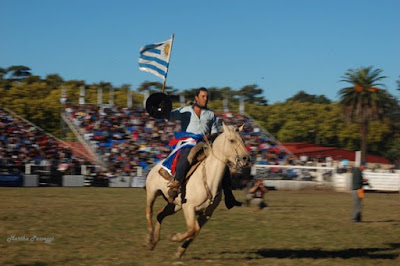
(175, 114)
(214, 125)
(258, 184)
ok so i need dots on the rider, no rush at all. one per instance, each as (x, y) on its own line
(198, 119)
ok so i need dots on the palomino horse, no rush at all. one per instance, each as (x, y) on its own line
(203, 189)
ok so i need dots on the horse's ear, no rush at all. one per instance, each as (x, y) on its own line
(225, 127)
(241, 128)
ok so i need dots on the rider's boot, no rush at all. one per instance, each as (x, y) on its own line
(181, 170)
(230, 200)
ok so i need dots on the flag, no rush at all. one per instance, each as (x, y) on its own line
(154, 58)
(181, 140)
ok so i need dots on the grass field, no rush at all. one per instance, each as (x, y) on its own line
(106, 226)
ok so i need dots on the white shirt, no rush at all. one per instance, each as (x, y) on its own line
(190, 122)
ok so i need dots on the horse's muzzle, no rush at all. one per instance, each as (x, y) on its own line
(242, 161)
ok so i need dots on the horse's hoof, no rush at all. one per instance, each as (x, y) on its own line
(175, 237)
(179, 253)
(149, 246)
(177, 256)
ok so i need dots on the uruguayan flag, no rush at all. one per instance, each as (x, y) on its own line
(154, 58)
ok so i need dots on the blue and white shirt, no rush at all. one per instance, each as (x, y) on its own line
(190, 122)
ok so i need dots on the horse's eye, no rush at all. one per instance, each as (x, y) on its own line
(232, 141)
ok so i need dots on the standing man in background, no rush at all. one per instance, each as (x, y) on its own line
(357, 191)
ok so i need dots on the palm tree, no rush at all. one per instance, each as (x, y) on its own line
(364, 101)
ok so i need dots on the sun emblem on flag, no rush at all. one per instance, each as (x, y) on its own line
(166, 49)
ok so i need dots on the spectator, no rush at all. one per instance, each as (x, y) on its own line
(357, 191)
(256, 194)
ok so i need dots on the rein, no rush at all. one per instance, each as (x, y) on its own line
(209, 195)
(212, 151)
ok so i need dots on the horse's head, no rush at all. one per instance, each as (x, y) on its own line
(229, 147)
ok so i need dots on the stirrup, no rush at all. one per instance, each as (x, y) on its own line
(172, 194)
(173, 191)
(174, 184)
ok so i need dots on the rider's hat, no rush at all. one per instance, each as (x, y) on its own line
(159, 105)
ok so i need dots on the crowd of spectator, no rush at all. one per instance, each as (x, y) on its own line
(23, 144)
(126, 138)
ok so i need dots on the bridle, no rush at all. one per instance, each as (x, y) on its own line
(239, 162)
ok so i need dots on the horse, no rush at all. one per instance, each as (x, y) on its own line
(203, 189)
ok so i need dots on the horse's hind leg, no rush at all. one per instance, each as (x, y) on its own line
(162, 213)
(151, 197)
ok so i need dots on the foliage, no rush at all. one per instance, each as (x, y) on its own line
(153, 87)
(398, 84)
(302, 96)
(18, 72)
(250, 93)
(38, 100)
(364, 101)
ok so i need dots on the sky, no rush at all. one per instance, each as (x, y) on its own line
(282, 46)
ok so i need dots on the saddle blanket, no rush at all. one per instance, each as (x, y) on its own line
(180, 141)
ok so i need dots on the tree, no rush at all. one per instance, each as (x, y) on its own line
(154, 86)
(364, 101)
(19, 72)
(250, 92)
(3, 72)
(214, 93)
(398, 84)
(304, 97)
(54, 80)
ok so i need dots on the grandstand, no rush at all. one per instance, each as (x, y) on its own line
(118, 141)
(126, 142)
(124, 139)
(26, 148)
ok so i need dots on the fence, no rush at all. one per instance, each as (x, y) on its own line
(383, 181)
(295, 177)
(319, 173)
(31, 175)
(281, 177)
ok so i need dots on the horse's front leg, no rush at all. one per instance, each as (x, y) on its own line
(200, 222)
(191, 223)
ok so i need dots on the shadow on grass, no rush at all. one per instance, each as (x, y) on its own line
(389, 253)
(37, 263)
(384, 221)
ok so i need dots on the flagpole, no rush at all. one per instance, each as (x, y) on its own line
(169, 55)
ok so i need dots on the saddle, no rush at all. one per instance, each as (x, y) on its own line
(196, 155)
